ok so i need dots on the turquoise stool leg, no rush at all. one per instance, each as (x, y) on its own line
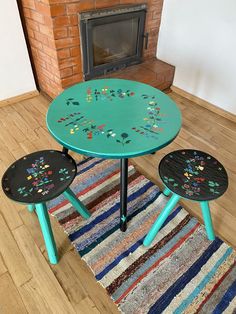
(166, 192)
(42, 212)
(207, 220)
(31, 207)
(79, 206)
(161, 219)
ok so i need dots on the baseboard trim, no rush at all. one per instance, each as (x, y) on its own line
(13, 100)
(201, 102)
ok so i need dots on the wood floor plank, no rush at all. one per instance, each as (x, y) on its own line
(10, 299)
(5, 137)
(26, 128)
(12, 256)
(27, 116)
(42, 273)
(86, 306)
(47, 139)
(30, 220)
(44, 141)
(42, 104)
(33, 298)
(18, 152)
(3, 268)
(28, 146)
(12, 129)
(34, 110)
(6, 159)
(70, 280)
(9, 210)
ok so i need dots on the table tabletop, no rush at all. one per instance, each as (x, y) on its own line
(113, 118)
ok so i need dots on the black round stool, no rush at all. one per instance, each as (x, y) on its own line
(194, 175)
(40, 177)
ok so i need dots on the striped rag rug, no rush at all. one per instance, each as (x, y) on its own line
(181, 272)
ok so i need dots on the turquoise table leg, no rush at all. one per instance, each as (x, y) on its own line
(42, 212)
(31, 207)
(161, 219)
(79, 206)
(166, 192)
(207, 220)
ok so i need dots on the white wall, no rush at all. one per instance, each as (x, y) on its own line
(15, 70)
(199, 38)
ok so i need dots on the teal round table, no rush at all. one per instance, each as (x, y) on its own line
(113, 118)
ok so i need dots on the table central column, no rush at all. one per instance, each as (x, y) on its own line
(123, 193)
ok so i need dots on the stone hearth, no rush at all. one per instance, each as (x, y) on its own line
(54, 38)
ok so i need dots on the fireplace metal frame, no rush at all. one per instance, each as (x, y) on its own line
(90, 19)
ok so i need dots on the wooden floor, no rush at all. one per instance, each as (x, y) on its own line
(27, 282)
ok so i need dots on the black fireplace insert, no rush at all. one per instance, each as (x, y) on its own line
(112, 39)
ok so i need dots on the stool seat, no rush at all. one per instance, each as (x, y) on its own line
(193, 174)
(39, 177)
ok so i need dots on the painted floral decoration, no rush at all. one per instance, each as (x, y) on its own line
(72, 101)
(80, 123)
(107, 93)
(194, 176)
(170, 181)
(39, 175)
(124, 139)
(64, 174)
(153, 120)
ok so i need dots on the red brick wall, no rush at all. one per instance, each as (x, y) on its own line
(52, 27)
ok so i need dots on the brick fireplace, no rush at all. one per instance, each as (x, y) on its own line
(54, 37)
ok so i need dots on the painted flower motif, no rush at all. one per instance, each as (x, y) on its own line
(201, 168)
(170, 181)
(123, 139)
(101, 127)
(25, 192)
(110, 133)
(189, 192)
(64, 174)
(41, 178)
(124, 135)
(107, 93)
(213, 187)
(72, 101)
(21, 190)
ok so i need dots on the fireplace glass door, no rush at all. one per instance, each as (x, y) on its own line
(114, 41)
